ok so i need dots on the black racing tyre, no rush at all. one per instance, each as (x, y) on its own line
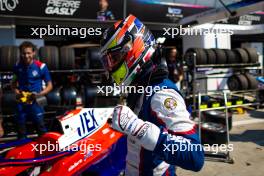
(67, 58)
(93, 58)
(233, 83)
(213, 133)
(220, 56)
(237, 82)
(9, 55)
(201, 57)
(232, 56)
(218, 116)
(252, 54)
(243, 82)
(54, 97)
(90, 93)
(252, 82)
(69, 95)
(9, 103)
(211, 56)
(50, 56)
(243, 55)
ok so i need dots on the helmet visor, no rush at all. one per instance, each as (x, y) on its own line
(112, 58)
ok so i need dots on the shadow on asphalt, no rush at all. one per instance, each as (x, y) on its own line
(255, 136)
(256, 114)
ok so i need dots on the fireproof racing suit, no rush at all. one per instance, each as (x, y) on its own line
(177, 143)
(30, 78)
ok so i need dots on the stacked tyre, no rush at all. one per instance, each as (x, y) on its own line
(218, 116)
(63, 58)
(214, 129)
(93, 58)
(69, 96)
(56, 58)
(199, 53)
(54, 97)
(50, 56)
(220, 56)
(244, 81)
(9, 102)
(9, 55)
(213, 133)
(67, 58)
(246, 55)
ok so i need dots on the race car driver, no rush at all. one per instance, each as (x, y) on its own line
(160, 134)
(29, 75)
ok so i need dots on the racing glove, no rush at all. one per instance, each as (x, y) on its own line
(127, 122)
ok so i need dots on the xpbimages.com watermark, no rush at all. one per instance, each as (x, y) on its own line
(174, 32)
(182, 147)
(122, 89)
(83, 147)
(56, 30)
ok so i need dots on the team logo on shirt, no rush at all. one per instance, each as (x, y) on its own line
(34, 73)
(170, 103)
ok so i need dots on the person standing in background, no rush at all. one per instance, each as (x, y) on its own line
(29, 75)
(174, 66)
(104, 14)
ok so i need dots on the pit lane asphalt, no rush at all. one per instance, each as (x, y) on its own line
(247, 136)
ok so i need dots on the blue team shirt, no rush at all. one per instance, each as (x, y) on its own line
(30, 78)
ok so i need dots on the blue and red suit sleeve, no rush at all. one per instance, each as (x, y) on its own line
(178, 143)
(182, 150)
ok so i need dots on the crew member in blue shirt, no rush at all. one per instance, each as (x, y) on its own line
(29, 75)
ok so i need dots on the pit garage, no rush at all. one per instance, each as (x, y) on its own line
(211, 50)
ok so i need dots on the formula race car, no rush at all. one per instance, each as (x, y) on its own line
(84, 144)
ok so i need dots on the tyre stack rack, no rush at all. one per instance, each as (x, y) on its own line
(192, 70)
